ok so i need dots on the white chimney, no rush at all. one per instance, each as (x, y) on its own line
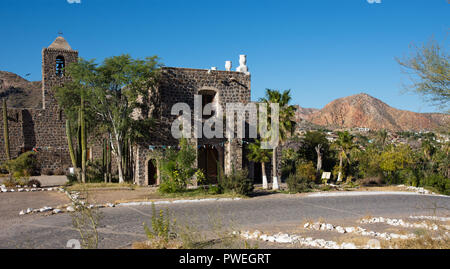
(228, 65)
(243, 64)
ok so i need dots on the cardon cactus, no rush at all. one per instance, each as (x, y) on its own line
(6, 130)
(69, 143)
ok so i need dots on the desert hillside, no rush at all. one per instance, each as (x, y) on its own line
(19, 92)
(363, 110)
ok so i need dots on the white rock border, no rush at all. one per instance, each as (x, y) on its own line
(285, 238)
(431, 218)
(74, 197)
(321, 226)
(178, 201)
(26, 188)
(400, 222)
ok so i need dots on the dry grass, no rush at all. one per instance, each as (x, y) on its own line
(358, 240)
(422, 242)
(158, 243)
(79, 186)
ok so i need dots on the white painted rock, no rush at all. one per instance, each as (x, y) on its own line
(56, 211)
(283, 238)
(45, 209)
(350, 229)
(348, 246)
(339, 229)
(29, 210)
(21, 213)
(70, 209)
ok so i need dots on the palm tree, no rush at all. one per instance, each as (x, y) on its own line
(286, 123)
(382, 138)
(259, 155)
(344, 144)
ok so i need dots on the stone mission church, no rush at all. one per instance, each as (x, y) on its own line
(43, 129)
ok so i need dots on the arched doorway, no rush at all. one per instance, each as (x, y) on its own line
(152, 172)
(208, 159)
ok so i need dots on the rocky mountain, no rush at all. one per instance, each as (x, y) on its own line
(363, 110)
(19, 92)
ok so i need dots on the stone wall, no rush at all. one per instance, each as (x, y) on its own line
(39, 129)
(180, 85)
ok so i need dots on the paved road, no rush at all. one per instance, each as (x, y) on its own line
(123, 225)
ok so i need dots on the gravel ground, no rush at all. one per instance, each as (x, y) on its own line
(123, 225)
(11, 203)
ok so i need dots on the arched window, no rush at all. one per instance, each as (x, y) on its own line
(60, 64)
(208, 96)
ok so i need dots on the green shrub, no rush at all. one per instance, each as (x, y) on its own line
(34, 182)
(214, 190)
(438, 182)
(72, 178)
(170, 186)
(298, 184)
(306, 171)
(177, 167)
(22, 166)
(237, 182)
(162, 226)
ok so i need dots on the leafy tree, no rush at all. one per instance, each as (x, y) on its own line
(429, 68)
(344, 144)
(315, 148)
(113, 93)
(286, 122)
(259, 155)
(394, 159)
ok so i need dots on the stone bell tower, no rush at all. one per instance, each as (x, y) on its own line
(55, 59)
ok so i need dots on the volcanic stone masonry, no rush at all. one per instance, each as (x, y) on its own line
(43, 130)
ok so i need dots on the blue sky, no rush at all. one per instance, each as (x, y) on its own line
(320, 49)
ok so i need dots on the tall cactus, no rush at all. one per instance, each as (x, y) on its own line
(83, 142)
(69, 142)
(6, 130)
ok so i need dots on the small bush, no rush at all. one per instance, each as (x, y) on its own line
(10, 182)
(22, 166)
(237, 182)
(162, 234)
(72, 178)
(170, 186)
(34, 182)
(299, 184)
(306, 171)
(371, 181)
(438, 182)
(214, 190)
